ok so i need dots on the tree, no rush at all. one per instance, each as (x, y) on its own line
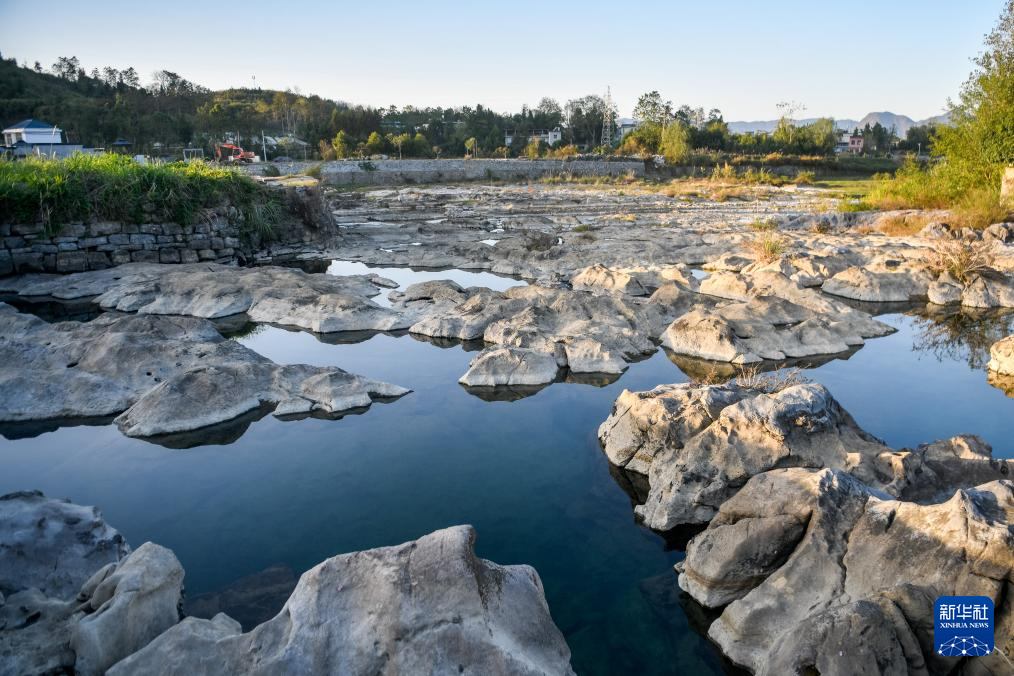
(651, 109)
(374, 144)
(130, 78)
(66, 67)
(980, 139)
(675, 144)
(340, 143)
(399, 140)
(470, 146)
(503, 151)
(534, 148)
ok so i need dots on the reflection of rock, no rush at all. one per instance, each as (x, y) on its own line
(249, 600)
(699, 443)
(428, 606)
(826, 576)
(704, 370)
(1003, 383)
(165, 374)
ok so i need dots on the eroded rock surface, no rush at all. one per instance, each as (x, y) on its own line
(822, 573)
(162, 374)
(698, 444)
(429, 606)
(1001, 357)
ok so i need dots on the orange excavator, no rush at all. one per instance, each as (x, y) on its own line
(230, 153)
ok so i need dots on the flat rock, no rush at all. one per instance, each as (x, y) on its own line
(428, 606)
(879, 287)
(162, 374)
(600, 278)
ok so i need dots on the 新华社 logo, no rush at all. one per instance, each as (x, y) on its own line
(963, 626)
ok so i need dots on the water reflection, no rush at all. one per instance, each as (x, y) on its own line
(960, 334)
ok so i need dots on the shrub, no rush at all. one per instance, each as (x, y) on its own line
(962, 260)
(313, 172)
(763, 226)
(116, 188)
(804, 178)
(271, 170)
(767, 248)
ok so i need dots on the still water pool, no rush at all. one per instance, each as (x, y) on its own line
(528, 474)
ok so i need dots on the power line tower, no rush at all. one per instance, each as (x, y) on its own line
(607, 120)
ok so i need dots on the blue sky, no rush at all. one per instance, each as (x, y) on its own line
(839, 59)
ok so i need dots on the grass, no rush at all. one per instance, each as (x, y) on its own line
(763, 226)
(767, 248)
(115, 188)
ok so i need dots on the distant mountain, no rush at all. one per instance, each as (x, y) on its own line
(901, 123)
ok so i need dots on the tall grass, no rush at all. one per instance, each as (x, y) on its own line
(115, 188)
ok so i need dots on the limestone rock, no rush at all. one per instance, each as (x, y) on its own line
(429, 606)
(879, 287)
(1002, 357)
(601, 278)
(126, 606)
(698, 444)
(497, 366)
(845, 579)
(172, 373)
(52, 545)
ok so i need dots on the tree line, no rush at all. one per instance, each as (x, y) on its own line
(99, 106)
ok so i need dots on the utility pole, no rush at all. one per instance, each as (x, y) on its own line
(264, 146)
(607, 121)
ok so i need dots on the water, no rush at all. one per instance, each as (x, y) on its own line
(405, 276)
(528, 474)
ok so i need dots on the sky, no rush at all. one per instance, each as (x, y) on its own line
(840, 60)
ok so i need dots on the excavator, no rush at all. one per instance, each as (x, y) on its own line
(230, 153)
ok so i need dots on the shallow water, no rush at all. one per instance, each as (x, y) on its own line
(405, 276)
(529, 474)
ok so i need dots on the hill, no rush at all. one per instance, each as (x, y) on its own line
(901, 123)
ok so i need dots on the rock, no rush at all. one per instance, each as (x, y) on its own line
(936, 230)
(698, 444)
(999, 232)
(1001, 356)
(845, 579)
(601, 278)
(52, 545)
(127, 605)
(429, 606)
(728, 262)
(944, 291)
(767, 327)
(35, 634)
(164, 374)
(318, 302)
(879, 287)
(496, 366)
(989, 290)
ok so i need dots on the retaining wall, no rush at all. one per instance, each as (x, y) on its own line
(393, 172)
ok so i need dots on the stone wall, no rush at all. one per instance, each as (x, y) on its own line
(220, 237)
(393, 172)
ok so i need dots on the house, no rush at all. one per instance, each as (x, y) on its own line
(849, 143)
(548, 137)
(32, 132)
(624, 126)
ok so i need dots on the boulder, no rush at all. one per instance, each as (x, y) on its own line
(497, 366)
(429, 606)
(125, 606)
(698, 444)
(52, 546)
(879, 286)
(1001, 355)
(600, 278)
(822, 573)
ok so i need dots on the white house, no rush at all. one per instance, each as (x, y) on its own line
(625, 125)
(547, 136)
(32, 132)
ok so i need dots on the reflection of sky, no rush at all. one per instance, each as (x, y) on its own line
(528, 474)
